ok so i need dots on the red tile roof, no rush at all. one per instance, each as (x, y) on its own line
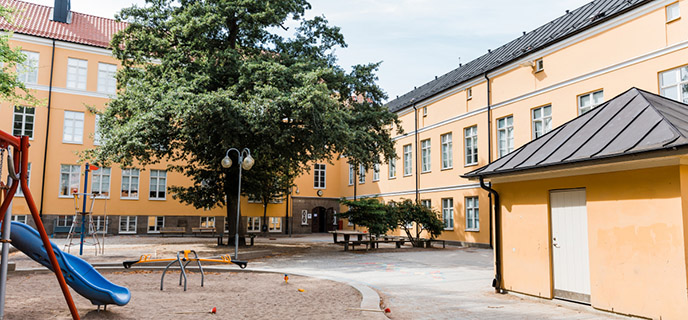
(34, 19)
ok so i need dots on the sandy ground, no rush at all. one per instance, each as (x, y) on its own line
(236, 295)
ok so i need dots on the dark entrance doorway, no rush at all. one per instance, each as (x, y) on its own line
(323, 220)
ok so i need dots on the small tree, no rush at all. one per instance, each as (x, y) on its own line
(406, 212)
(369, 213)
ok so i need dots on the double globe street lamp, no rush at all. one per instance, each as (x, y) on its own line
(246, 162)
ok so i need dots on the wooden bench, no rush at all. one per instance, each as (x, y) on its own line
(354, 243)
(203, 230)
(248, 237)
(173, 230)
(398, 241)
(428, 242)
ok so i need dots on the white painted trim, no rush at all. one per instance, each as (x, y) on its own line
(58, 43)
(426, 190)
(432, 99)
(71, 91)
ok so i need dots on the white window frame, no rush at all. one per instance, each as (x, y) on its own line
(376, 172)
(77, 73)
(20, 218)
(159, 223)
(505, 135)
(352, 174)
(100, 223)
(472, 213)
(98, 176)
(64, 221)
(679, 82)
(593, 99)
(72, 172)
(107, 82)
(97, 138)
(539, 65)
(408, 160)
(25, 117)
(73, 129)
(156, 176)
(540, 116)
(673, 12)
(129, 174)
(319, 176)
(425, 156)
(129, 220)
(207, 222)
(27, 72)
(470, 137)
(361, 174)
(469, 93)
(426, 203)
(20, 192)
(271, 224)
(253, 224)
(425, 112)
(447, 151)
(392, 168)
(448, 213)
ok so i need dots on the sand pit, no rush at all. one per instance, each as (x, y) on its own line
(236, 295)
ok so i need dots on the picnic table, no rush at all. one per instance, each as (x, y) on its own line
(347, 235)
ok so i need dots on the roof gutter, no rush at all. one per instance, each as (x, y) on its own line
(497, 281)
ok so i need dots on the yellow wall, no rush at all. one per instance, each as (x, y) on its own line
(637, 239)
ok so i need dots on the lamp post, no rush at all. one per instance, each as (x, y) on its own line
(246, 162)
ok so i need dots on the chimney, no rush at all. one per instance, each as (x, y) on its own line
(61, 11)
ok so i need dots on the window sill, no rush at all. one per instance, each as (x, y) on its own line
(674, 19)
(128, 198)
(65, 197)
(274, 231)
(153, 231)
(470, 165)
(127, 232)
(157, 199)
(472, 230)
(391, 178)
(408, 175)
(378, 180)
(319, 188)
(72, 142)
(424, 172)
(448, 168)
(448, 229)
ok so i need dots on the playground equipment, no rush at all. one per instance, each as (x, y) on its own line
(184, 261)
(83, 278)
(84, 214)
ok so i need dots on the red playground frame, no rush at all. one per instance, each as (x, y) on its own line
(20, 146)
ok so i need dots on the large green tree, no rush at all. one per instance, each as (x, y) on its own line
(200, 77)
(11, 89)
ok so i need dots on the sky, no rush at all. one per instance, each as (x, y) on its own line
(416, 40)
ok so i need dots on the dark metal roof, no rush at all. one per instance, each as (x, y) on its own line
(554, 31)
(632, 122)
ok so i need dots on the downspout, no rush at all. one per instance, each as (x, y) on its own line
(47, 130)
(415, 125)
(497, 281)
(489, 148)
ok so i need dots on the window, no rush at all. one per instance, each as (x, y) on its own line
(539, 65)
(542, 121)
(472, 216)
(155, 224)
(407, 160)
(19, 218)
(101, 183)
(425, 111)
(319, 176)
(97, 139)
(207, 222)
(351, 174)
(589, 100)
(20, 192)
(23, 121)
(426, 203)
(77, 70)
(469, 93)
(27, 72)
(253, 224)
(127, 224)
(158, 185)
(392, 168)
(64, 221)
(447, 158)
(425, 155)
(448, 213)
(275, 224)
(361, 174)
(471, 145)
(106, 78)
(505, 135)
(673, 84)
(100, 223)
(376, 172)
(73, 127)
(69, 179)
(130, 184)
(673, 12)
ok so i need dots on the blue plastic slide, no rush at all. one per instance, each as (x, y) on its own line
(79, 274)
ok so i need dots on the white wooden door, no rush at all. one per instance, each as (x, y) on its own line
(570, 245)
